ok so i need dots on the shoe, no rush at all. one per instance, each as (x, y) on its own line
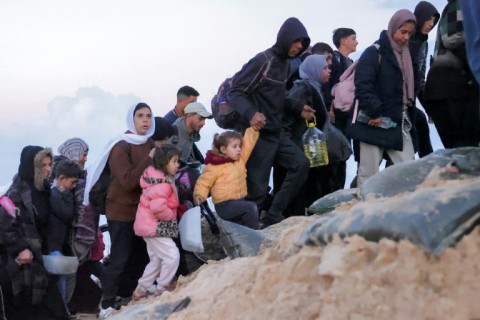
(269, 220)
(122, 301)
(139, 293)
(105, 313)
(158, 292)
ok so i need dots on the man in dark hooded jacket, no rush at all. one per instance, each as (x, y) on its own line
(258, 94)
(427, 17)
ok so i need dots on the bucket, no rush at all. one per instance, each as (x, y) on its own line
(61, 265)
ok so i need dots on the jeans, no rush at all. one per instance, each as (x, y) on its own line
(240, 211)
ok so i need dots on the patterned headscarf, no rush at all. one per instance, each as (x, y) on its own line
(73, 148)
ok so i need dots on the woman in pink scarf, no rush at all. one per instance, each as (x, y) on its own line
(385, 87)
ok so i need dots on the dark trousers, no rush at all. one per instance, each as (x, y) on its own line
(423, 133)
(338, 170)
(87, 294)
(51, 307)
(241, 211)
(127, 261)
(318, 184)
(457, 121)
(276, 149)
(297, 206)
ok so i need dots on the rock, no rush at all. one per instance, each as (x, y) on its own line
(329, 202)
(405, 177)
(432, 218)
(153, 311)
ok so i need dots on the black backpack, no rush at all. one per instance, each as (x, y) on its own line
(225, 116)
(98, 193)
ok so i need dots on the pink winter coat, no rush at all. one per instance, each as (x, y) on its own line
(158, 202)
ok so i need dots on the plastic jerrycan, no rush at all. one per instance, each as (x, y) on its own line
(315, 145)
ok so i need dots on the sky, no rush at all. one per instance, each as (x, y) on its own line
(73, 68)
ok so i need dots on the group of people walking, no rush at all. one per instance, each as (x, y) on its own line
(56, 210)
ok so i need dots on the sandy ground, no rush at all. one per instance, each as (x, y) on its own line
(347, 279)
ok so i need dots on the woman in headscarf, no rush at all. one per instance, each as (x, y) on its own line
(86, 237)
(385, 87)
(307, 93)
(127, 156)
(28, 291)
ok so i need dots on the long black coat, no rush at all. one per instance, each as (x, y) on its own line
(28, 291)
(379, 90)
(302, 94)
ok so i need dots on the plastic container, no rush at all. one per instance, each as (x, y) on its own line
(315, 145)
(385, 122)
(61, 265)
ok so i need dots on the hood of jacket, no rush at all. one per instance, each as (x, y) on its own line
(290, 31)
(423, 11)
(30, 168)
(153, 176)
(214, 158)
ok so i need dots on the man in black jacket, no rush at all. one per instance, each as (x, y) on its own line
(258, 94)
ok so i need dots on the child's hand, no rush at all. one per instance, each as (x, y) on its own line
(152, 152)
(198, 201)
(24, 257)
(307, 112)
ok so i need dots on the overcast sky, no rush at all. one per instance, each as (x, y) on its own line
(73, 68)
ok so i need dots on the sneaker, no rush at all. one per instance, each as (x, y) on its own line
(139, 293)
(158, 292)
(269, 220)
(105, 313)
(122, 301)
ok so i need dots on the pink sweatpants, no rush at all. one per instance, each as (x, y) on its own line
(164, 260)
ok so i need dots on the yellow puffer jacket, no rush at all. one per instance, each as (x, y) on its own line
(227, 181)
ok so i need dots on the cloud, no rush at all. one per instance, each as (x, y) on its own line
(68, 68)
(91, 114)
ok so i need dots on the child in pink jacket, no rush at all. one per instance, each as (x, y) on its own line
(156, 220)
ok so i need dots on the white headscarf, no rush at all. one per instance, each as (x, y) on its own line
(131, 136)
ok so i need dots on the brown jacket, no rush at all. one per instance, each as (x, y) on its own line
(127, 163)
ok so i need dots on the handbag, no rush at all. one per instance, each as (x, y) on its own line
(338, 146)
(190, 229)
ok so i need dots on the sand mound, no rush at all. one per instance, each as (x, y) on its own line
(347, 279)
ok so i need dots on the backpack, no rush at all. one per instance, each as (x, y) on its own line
(224, 114)
(343, 92)
(98, 193)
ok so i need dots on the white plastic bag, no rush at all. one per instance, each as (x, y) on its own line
(191, 230)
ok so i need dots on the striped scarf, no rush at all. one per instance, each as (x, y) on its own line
(451, 22)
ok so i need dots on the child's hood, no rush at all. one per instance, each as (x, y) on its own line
(213, 157)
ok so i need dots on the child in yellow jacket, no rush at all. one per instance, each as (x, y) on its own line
(225, 177)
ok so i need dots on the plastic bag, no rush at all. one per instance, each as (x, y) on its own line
(339, 148)
(191, 231)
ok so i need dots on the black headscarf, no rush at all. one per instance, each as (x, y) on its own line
(30, 172)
